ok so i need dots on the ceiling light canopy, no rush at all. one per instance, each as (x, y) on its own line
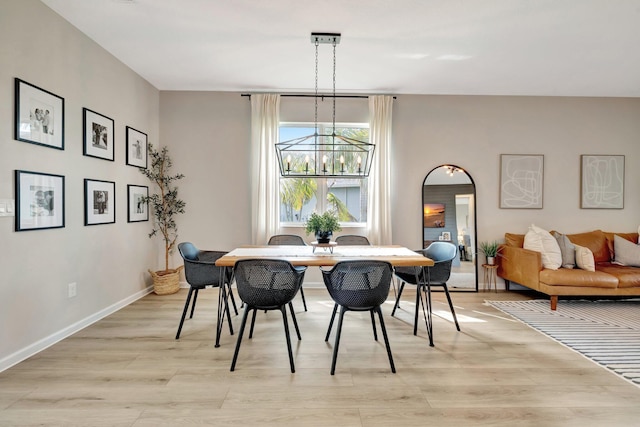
(328, 154)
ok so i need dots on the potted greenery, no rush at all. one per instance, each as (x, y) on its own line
(322, 226)
(164, 205)
(490, 250)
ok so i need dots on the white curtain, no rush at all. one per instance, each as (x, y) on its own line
(265, 194)
(379, 207)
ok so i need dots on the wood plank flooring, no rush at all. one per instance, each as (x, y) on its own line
(128, 370)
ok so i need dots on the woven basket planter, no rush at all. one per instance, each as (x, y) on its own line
(166, 282)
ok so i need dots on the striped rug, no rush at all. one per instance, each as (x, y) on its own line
(607, 332)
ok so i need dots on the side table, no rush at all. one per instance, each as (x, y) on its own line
(490, 276)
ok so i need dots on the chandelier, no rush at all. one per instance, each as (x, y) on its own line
(327, 154)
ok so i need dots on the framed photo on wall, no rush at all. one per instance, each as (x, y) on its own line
(136, 148)
(601, 182)
(98, 135)
(99, 202)
(39, 116)
(39, 200)
(521, 181)
(137, 206)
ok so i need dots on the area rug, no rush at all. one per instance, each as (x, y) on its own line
(607, 332)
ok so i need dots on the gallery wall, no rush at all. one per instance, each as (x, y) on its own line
(108, 263)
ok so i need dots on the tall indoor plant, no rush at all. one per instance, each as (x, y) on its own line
(164, 205)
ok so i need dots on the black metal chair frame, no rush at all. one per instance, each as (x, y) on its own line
(204, 262)
(289, 240)
(280, 295)
(336, 280)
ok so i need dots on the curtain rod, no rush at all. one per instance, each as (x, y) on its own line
(318, 96)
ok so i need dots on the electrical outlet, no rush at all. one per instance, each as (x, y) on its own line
(73, 290)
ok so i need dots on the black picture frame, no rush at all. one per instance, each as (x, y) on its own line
(136, 148)
(137, 205)
(98, 135)
(32, 122)
(99, 202)
(39, 201)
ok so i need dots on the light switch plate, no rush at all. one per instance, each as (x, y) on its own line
(7, 207)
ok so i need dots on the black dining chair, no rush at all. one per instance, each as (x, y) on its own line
(345, 240)
(201, 272)
(352, 240)
(442, 254)
(359, 285)
(267, 284)
(289, 240)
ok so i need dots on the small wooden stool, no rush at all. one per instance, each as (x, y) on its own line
(490, 276)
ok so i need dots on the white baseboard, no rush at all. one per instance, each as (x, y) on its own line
(46, 342)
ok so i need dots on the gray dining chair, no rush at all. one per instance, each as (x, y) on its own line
(289, 240)
(267, 284)
(359, 285)
(201, 272)
(442, 254)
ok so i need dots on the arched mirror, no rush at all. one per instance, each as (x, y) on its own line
(449, 214)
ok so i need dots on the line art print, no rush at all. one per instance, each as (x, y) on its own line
(521, 181)
(602, 182)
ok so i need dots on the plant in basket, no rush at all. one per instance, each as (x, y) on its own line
(164, 205)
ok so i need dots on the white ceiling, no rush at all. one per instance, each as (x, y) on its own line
(479, 47)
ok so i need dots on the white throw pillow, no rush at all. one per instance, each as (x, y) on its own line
(584, 258)
(542, 241)
(626, 252)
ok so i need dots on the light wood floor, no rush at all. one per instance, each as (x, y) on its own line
(128, 370)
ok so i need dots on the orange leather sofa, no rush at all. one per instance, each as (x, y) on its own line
(524, 267)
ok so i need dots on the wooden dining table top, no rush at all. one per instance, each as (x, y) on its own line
(398, 256)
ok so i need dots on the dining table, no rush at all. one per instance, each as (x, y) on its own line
(397, 256)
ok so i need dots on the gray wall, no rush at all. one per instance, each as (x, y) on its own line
(108, 262)
(208, 135)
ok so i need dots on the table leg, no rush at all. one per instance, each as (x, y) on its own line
(223, 305)
(425, 286)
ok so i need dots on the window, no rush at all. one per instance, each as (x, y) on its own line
(299, 197)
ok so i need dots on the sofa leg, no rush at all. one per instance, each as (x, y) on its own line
(506, 285)
(554, 302)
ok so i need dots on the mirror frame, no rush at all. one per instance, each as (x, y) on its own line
(475, 222)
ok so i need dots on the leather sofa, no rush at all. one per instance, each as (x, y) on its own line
(525, 267)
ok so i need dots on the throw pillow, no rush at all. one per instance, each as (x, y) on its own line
(567, 250)
(542, 241)
(584, 258)
(626, 252)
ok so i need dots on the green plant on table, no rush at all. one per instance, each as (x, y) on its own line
(489, 249)
(324, 223)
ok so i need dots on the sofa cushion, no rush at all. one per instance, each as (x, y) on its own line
(632, 237)
(567, 250)
(542, 241)
(577, 277)
(584, 258)
(516, 240)
(596, 241)
(626, 252)
(628, 277)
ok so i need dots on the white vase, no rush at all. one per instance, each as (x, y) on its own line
(491, 260)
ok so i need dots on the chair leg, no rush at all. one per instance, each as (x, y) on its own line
(239, 341)
(253, 322)
(233, 300)
(386, 339)
(304, 301)
(455, 319)
(184, 312)
(295, 321)
(337, 342)
(397, 304)
(333, 316)
(283, 309)
(193, 305)
(373, 323)
(415, 316)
